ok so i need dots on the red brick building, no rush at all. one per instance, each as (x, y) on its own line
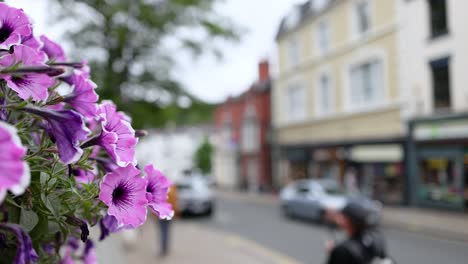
(242, 127)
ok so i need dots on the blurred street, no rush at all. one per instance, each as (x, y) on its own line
(250, 229)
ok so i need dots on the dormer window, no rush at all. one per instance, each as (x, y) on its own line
(293, 18)
(318, 5)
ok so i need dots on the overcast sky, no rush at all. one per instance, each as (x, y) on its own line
(208, 78)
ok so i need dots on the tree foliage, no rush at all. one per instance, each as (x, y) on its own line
(202, 158)
(133, 47)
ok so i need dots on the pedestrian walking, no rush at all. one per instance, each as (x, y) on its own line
(164, 225)
(364, 243)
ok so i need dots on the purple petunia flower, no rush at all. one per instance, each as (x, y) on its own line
(89, 254)
(31, 41)
(14, 25)
(124, 192)
(53, 50)
(67, 128)
(25, 252)
(83, 98)
(15, 175)
(30, 84)
(108, 224)
(157, 192)
(85, 176)
(117, 136)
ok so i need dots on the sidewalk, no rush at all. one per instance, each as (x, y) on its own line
(444, 224)
(191, 243)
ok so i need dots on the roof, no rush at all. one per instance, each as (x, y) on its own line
(305, 11)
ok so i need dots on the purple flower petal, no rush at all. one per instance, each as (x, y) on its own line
(15, 24)
(53, 50)
(25, 252)
(158, 189)
(31, 41)
(83, 98)
(117, 136)
(28, 85)
(15, 172)
(67, 128)
(89, 255)
(124, 192)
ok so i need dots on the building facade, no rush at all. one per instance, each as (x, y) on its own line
(433, 42)
(242, 123)
(337, 99)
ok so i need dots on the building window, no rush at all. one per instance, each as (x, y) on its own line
(293, 52)
(250, 131)
(362, 16)
(323, 37)
(324, 96)
(438, 16)
(441, 83)
(296, 103)
(367, 86)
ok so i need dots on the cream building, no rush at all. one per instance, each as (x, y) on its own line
(337, 98)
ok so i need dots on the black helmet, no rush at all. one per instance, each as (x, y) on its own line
(360, 215)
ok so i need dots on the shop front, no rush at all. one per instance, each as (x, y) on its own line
(373, 168)
(380, 168)
(293, 164)
(439, 162)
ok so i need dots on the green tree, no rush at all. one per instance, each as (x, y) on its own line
(134, 45)
(202, 158)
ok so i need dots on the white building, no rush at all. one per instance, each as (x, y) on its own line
(433, 62)
(433, 56)
(171, 150)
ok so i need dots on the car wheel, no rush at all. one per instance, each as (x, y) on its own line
(286, 211)
(209, 211)
(320, 219)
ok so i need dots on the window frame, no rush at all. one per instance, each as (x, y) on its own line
(381, 79)
(293, 50)
(322, 37)
(355, 21)
(320, 112)
(250, 130)
(438, 64)
(439, 32)
(295, 115)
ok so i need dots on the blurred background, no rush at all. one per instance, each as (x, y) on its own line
(264, 113)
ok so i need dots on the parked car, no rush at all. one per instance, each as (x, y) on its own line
(195, 196)
(308, 199)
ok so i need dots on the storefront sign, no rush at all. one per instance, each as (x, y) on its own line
(377, 153)
(442, 130)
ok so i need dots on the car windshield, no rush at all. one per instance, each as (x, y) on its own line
(334, 190)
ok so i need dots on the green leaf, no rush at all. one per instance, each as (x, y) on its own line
(28, 219)
(44, 178)
(52, 202)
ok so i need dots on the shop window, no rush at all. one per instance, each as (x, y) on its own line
(438, 17)
(441, 84)
(438, 181)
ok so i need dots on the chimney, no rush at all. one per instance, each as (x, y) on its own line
(263, 71)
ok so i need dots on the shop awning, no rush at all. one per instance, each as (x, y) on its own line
(377, 153)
